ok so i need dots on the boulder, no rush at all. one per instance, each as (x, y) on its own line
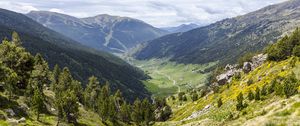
(228, 74)
(21, 120)
(258, 60)
(247, 67)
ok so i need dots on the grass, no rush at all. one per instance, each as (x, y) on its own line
(258, 112)
(168, 78)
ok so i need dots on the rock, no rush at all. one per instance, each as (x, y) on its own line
(10, 112)
(22, 120)
(258, 60)
(198, 113)
(52, 109)
(224, 78)
(247, 67)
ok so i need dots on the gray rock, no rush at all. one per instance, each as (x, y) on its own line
(22, 120)
(10, 112)
(258, 60)
(224, 78)
(247, 67)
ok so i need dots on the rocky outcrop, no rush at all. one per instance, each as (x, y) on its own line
(231, 70)
(255, 62)
(198, 113)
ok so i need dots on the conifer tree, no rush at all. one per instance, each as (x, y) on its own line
(38, 102)
(250, 95)
(136, 114)
(240, 103)
(54, 77)
(257, 94)
(220, 102)
(91, 93)
(103, 102)
(125, 110)
(16, 39)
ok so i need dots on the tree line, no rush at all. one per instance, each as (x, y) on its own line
(25, 75)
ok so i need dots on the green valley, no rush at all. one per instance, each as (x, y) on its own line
(169, 78)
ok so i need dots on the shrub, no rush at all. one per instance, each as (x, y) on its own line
(194, 96)
(291, 85)
(249, 82)
(264, 91)
(257, 94)
(240, 103)
(220, 103)
(250, 96)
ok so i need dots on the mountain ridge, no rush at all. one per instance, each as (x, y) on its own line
(103, 32)
(228, 39)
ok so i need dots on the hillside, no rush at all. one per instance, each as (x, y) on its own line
(103, 32)
(268, 94)
(228, 39)
(82, 61)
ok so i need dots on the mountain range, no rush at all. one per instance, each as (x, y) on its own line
(103, 32)
(181, 28)
(226, 40)
(81, 60)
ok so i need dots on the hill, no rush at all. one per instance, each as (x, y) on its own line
(82, 61)
(103, 32)
(228, 39)
(266, 95)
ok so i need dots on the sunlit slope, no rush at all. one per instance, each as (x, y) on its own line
(270, 110)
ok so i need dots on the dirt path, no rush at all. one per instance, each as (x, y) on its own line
(169, 78)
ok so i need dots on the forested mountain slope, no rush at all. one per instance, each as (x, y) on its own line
(228, 39)
(81, 60)
(109, 33)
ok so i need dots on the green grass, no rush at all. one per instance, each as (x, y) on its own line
(168, 78)
(263, 112)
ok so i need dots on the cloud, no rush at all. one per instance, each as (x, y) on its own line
(158, 13)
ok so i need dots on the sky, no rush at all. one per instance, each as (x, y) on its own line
(159, 13)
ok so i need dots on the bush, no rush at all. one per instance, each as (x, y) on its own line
(257, 94)
(180, 96)
(249, 82)
(264, 91)
(240, 104)
(245, 58)
(194, 96)
(291, 85)
(250, 96)
(220, 103)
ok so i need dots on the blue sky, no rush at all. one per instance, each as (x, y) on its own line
(160, 13)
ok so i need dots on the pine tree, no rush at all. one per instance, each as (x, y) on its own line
(103, 102)
(147, 113)
(136, 114)
(264, 91)
(250, 95)
(124, 114)
(38, 102)
(291, 85)
(66, 97)
(91, 93)
(257, 94)
(220, 102)
(16, 39)
(240, 104)
(55, 77)
(194, 96)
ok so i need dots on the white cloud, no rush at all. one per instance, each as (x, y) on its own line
(158, 13)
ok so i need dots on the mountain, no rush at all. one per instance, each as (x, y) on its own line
(226, 40)
(181, 28)
(82, 61)
(103, 32)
